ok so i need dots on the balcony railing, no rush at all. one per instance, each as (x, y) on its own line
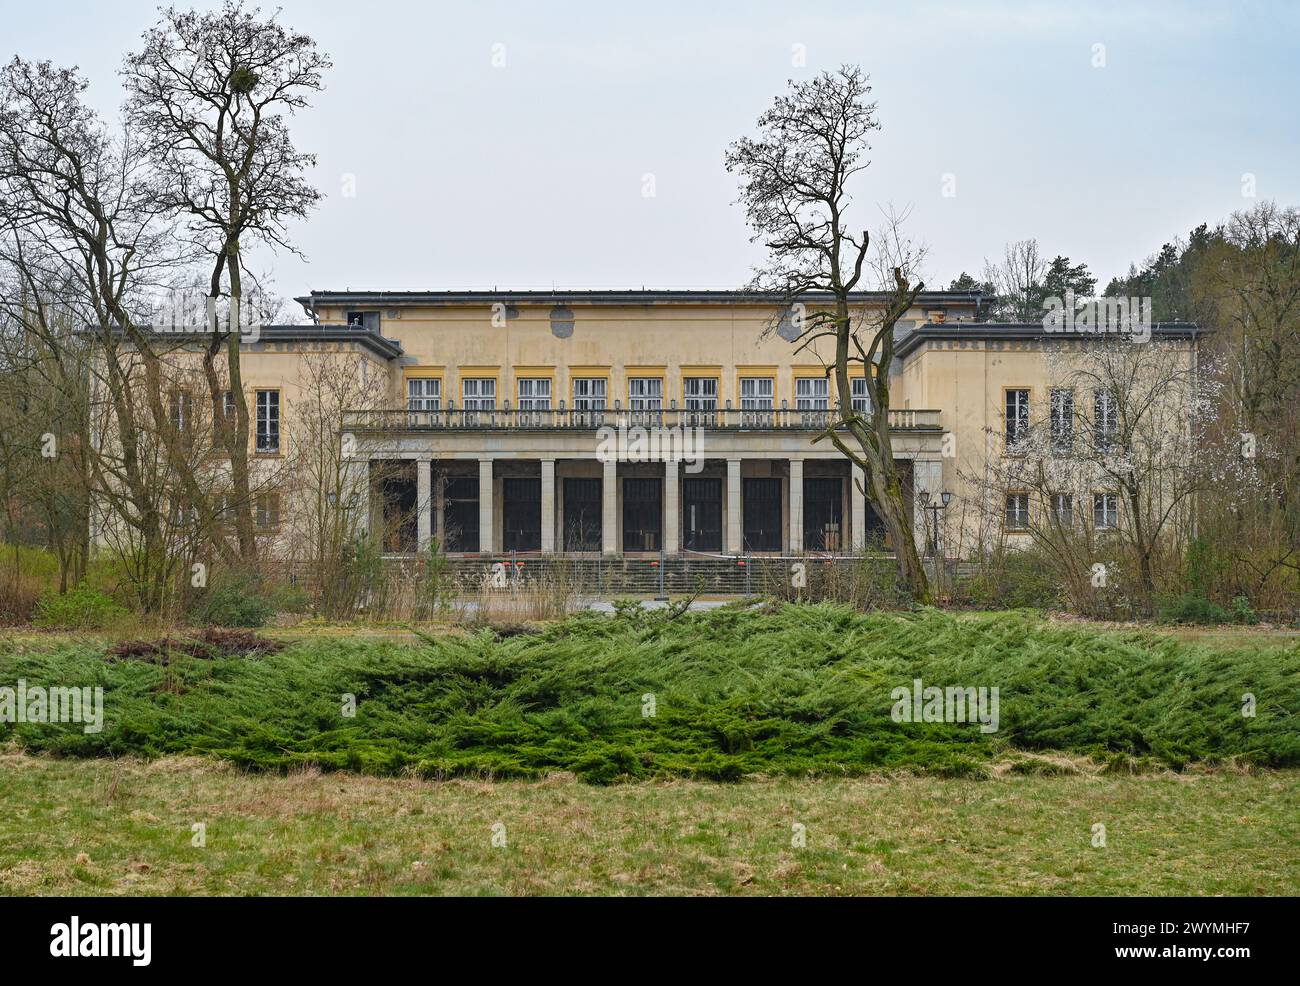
(513, 419)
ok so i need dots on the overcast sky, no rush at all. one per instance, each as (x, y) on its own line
(533, 174)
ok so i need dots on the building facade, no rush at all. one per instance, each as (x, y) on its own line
(642, 423)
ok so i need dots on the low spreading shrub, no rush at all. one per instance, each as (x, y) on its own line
(740, 690)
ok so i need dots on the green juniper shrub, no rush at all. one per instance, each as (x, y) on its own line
(788, 690)
(234, 599)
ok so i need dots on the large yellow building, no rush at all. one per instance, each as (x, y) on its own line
(630, 422)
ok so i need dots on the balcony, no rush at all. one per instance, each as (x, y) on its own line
(452, 419)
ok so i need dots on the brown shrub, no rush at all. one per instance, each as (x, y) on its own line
(18, 596)
(210, 644)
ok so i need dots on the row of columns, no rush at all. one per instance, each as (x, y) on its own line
(927, 473)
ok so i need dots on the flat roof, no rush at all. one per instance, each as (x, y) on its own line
(1018, 331)
(609, 297)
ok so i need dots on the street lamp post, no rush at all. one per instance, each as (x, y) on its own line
(934, 506)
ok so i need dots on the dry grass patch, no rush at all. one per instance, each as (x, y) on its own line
(1221, 832)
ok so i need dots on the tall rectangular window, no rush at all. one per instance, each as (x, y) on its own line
(589, 393)
(1063, 509)
(701, 393)
(180, 410)
(1017, 416)
(268, 421)
(267, 512)
(1105, 511)
(645, 393)
(423, 394)
(861, 396)
(756, 393)
(812, 394)
(535, 394)
(1017, 511)
(1105, 419)
(479, 393)
(1062, 419)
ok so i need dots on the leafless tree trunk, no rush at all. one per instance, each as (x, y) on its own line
(795, 176)
(208, 94)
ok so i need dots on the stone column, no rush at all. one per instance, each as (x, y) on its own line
(858, 501)
(672, 508)
(796, 506)
(486, 544)
(609, 509)
(355, 494)
(423, 504)
(734, 526)
(548, 506)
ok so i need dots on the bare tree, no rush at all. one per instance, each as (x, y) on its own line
(1017, 282)
(87, 242)
(331, 481)
(208, 94)
(795, 177)
(43, 429)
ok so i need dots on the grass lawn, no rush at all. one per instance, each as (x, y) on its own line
(548, 735)
(124, 827)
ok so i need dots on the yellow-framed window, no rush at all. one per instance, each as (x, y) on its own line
(645, 393)
(478, 392)
(423, 392)
(758, 393)
(700, 393)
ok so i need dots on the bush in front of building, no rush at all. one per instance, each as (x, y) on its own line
(1013, 580)
(82, 608)
(243, 599)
